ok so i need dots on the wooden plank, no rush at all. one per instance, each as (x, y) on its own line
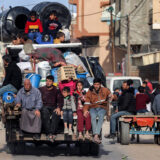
(143, 116)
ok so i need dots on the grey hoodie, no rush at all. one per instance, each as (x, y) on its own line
(69, 104)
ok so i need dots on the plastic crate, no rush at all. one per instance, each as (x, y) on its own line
(81, 75)
(66, 72)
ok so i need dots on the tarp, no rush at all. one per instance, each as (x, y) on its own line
(72, 58)
(48, 54)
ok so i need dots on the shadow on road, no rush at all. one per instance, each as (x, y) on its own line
(52, 151)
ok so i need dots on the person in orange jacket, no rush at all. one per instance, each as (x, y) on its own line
(33, 26)
(96, 103)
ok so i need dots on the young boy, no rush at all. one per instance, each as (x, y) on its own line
(60, 38)
(68, 110)
(142, 100)
(33, 26)
(53, 25)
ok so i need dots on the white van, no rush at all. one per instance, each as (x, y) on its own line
(116, 82)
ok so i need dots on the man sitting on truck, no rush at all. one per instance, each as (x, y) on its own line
(126, 106)
(52, 104)
(13, 76)
(29, 98)
(96, 105)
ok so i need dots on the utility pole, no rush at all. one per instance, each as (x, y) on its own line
(112, 40)
(128, 44)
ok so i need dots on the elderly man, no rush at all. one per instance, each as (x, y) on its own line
(96, 105)
(52, 104)
(29, 98)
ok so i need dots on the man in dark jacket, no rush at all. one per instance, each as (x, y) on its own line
(52, 104)
(126, 106)
(13, 76)
(52, 26)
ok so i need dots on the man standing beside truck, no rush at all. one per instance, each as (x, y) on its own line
(126, 106)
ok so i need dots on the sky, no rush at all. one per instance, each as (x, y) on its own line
(28, 3)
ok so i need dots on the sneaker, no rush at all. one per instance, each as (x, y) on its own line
(36, 137)
(110, 136)
(66, 131)
(54, 137)
(70, 132)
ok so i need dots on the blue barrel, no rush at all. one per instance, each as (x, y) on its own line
(8, 97)
(34, 78)
(54, 74)
(81, 75)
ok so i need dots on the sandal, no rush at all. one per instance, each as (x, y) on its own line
(97, 140)
(80, 137)
(87, 137)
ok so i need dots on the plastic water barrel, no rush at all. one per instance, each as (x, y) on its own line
(55, 74)
(13, 21)
(8, 97)
(34, 78)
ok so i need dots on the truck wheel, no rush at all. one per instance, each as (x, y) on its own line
(20, 148)
(84, 148)
(155, 139)
(138, 138)
(124, 132)
(94, 149)
(158, 139)
(11, 148)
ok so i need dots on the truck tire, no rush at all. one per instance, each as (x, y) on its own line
(155, 139)
(84, 149)
(94, 149)
(11, 149)
(158, 139)
(124, 132)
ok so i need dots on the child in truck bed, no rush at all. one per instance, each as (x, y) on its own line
(68, 110)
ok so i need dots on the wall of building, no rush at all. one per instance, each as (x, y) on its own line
(89, 25)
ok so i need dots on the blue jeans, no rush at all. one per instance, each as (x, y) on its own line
(142, 111)
(7, 88)
(97, 125)
(113, 120)
(33, 35)
(68, 116)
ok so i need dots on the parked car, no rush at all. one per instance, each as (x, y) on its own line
(116, 82)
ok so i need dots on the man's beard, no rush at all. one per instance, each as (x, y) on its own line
(49, 86)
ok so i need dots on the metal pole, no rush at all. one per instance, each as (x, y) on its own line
(85, 55)
(113, 48)
(128, 44)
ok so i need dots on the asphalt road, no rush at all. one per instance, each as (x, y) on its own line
(109, 149)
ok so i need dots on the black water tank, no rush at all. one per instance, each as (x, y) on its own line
(44, 8)
(13, 21)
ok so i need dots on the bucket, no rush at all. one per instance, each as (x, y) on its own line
(44, 72)
(54, 74)
(8, 97)
(44, 69)
(42, 82)
(35, 79)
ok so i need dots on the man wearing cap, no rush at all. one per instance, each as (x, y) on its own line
(96, 104)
